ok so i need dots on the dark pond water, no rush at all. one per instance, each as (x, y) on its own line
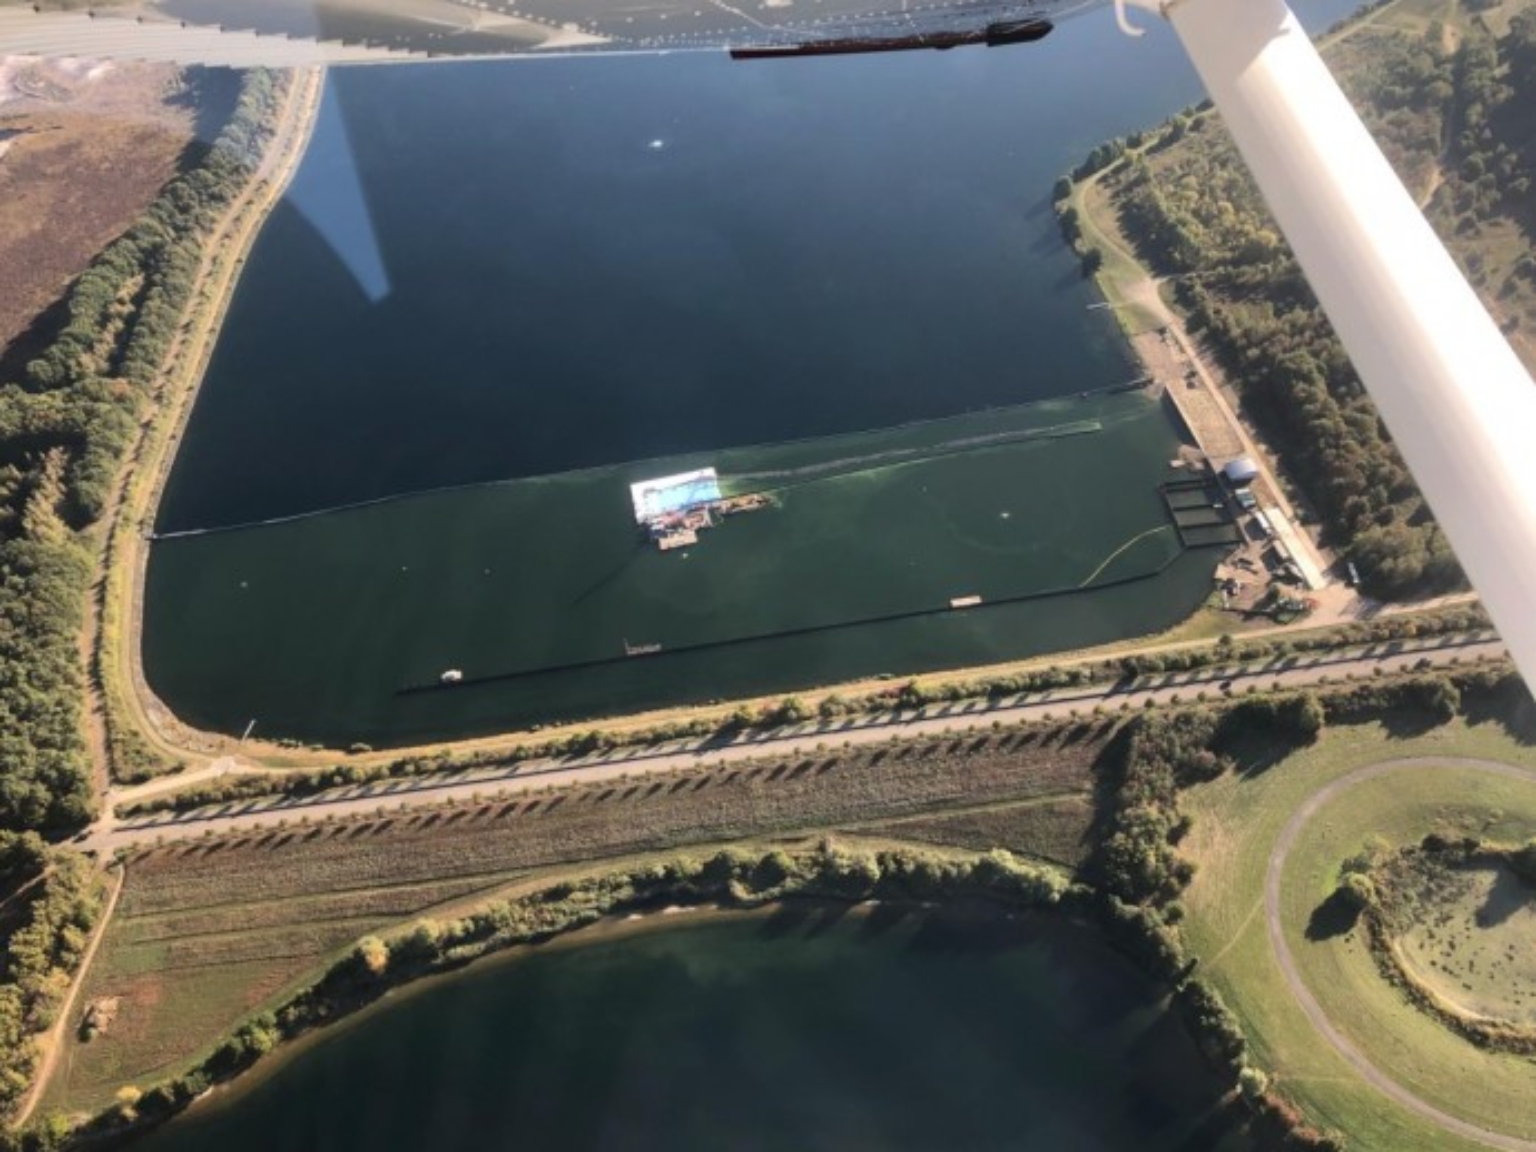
(805, 1030)
(542, 275)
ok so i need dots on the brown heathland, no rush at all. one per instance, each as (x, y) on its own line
(89, 146)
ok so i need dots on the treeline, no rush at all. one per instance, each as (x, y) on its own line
(1227, 654)
(1390, 629)
(50, 904)
(1195, 213)
(65, 429)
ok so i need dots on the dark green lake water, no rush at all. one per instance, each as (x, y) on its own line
(805, 1030)
(533, 587)
(518, 287)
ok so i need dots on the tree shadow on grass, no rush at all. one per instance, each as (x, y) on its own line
(1508, 895)
(1406, 723)
(1333, 918)
(1254, 752)
(1510, 708)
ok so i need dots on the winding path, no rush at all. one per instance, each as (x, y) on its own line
(53, 1040)
(1287, 960)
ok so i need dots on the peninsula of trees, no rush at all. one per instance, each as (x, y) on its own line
(1455, 110)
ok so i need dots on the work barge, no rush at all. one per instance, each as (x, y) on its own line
(673, 510)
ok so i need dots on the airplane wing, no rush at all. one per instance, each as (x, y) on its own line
(297, 32)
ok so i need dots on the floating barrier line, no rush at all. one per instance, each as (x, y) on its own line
(1126, 547)
(806, 630)
(1036, 433)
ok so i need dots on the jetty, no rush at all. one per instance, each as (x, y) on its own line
(674, 510)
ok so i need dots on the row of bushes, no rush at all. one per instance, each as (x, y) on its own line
(52, 899)
(790, 711)
(1136, 858)
(1386, 630)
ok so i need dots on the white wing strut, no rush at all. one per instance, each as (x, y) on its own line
(1453, 394)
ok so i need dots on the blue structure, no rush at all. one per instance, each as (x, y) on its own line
(670, 495)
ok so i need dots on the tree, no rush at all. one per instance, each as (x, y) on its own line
(372, 955)
(1305, 715)
(1357, 892)
(128, 1098)
(1437, 697)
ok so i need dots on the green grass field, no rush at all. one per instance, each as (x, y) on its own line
(1238, 820)
(1121, 277)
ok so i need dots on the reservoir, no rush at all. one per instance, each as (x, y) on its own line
(801, 1029)
(498, 294)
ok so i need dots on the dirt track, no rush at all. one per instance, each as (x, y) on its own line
(52, 1043)
(1287, 961)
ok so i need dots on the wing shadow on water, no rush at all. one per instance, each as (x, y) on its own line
(329, 193)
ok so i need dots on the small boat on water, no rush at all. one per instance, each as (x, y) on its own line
(452, 676)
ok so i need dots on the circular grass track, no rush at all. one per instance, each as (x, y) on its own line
(1238, 820)
(1404, 1052)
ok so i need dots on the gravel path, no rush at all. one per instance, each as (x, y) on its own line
(109, 834)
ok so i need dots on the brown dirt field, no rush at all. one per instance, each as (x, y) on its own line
(204, 932)
(596, 821)
(89, 147)
(1055, 829)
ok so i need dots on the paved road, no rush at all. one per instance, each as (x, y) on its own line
(109, 834)
(1304, 998)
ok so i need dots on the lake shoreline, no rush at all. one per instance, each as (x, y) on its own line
(220, 741)
(825, 886)
(119, 650)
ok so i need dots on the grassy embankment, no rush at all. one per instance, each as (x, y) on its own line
(1237, 820)
(208, 932)
(142, 737)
